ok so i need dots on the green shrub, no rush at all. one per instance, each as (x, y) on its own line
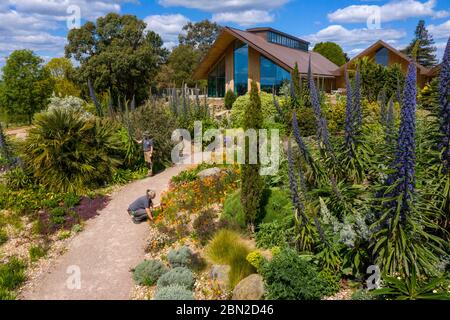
(12, 274)
(148, 272)
(268, 110)
(68, 151)
(71, 200)
(58, 215)
(3, 236)
(276, 206)
(37, 252)
(290, 277)
(179, 275)
(331, 280)
(256, 259)
(362, 294)
(229, 99)
(274, 234)
(181, 257)
(228, 248)
(306, 121)
(17, 179)
(174, 292)
(6, 295)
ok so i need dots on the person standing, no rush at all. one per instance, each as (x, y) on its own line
(147, 145)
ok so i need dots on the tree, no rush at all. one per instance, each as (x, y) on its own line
(251, 182)
(62, 72)
(27, 86)
(117, 54)
(183, 60)
(426, 51)
(332, 51)
(200, 36)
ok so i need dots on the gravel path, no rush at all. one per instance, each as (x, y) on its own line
(103, 253)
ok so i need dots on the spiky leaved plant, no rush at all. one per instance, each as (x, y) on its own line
(401, 243)
(444, 103)
(382, 102)
(4, 148)
(390, 124)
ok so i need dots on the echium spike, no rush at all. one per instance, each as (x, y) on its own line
(405, 159)
(94, 98)
(277, 105)
(444, 103)
(299, 139)
(382, 103)
(349, 121)
(323, 135)
(299, 207)
(133, 103)
(357, 111)
(390, 123)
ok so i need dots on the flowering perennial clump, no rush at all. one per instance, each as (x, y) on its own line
(357, 111)
(349, 123)
(444, 93)
(298, 204)
(298, 138)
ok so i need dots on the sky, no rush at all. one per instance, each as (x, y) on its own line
(42, 25)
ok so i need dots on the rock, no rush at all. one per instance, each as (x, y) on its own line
(219, 274)
(209, 172)
(250, 288)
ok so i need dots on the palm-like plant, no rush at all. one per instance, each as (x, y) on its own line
(69, 151)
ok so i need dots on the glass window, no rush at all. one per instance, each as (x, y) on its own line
(216, 80)
(286, 41)
(272, 75)
(240, 68)
(382, 57)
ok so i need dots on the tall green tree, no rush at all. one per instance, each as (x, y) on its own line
(62, 72)
(252, 184)
(183, 60)
(423, 43)
(118, 54)
(332, 51)
(27, 85)
(200, 35)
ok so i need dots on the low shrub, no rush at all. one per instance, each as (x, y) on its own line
(179, 275)
(3, 236)
(267, 107)
(230, 98)
(12, 274)
(274, 234)
(228, 248)
(362, 294)
(148, 272)
(174, 292)
(17, 179)
(256, 259)
(58, 215)
(290, 277)
(71, 200)
(37, 252)
(181, 257)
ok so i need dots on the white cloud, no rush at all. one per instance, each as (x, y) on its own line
(167, 26)
(392, 11)
(244, 18)
(221, 6)
(441, 31)
(355, 37)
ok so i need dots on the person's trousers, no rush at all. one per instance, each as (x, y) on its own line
(139, 215)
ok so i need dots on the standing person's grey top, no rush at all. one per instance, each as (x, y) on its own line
(147, 144)
(140, 203)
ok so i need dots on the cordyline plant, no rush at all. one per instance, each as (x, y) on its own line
(444, 103)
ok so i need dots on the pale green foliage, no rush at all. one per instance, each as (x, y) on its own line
(180, 275)
(148, 272)
(174, 292)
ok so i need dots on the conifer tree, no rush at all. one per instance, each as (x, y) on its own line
(426, 51)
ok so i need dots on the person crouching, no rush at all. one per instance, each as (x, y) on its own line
(142, 208)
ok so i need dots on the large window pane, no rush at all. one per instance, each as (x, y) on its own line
(272, 75)
(240, 68)
(216, 80)
(382, 57)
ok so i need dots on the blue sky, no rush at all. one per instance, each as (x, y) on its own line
(41, 25)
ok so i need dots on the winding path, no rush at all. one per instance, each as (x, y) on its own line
(104, 252)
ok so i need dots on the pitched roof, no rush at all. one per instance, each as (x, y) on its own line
(377, 45)
(283, 56)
